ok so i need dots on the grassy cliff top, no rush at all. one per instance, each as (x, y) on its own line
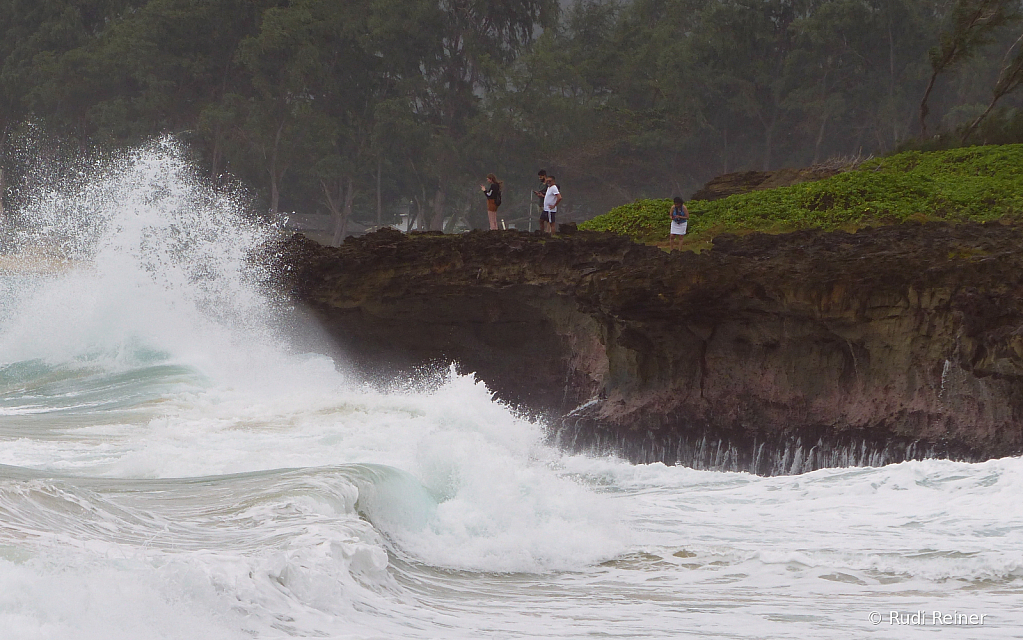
(973, 183)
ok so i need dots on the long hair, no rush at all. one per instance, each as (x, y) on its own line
(493, 178)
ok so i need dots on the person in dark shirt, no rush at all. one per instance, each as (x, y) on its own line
(542, 192)
(679, 223)
(492, 190)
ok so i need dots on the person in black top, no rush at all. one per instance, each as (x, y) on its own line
(492, 190)
(679, 222)
(542, 175)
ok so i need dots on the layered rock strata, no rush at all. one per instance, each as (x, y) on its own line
(770, 354)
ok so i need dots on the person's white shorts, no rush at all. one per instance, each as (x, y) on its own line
(679, 228)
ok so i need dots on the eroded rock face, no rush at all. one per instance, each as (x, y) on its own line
(731, 184)
(773, 354)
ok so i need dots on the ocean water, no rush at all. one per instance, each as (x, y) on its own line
(172, 465)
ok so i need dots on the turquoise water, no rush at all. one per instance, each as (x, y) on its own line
(171, 466)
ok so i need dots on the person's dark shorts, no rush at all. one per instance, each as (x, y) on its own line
(548, 216)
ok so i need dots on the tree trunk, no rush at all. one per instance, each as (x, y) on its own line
(334, 204)
(769, 139)
(275, 195)
(980, 118)
(419, 221)
(820, 138)
(275, 173)
(463, 217)
(437, 220)
(380, 206)
(724, 151)
(340, 207)
(217, 152)
(1009, 78)
(891, 79)
(924, 110)
(347, 212)
(961, 46)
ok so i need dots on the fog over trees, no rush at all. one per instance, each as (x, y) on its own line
(353, 108)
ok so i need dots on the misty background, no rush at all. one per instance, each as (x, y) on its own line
(346, 114)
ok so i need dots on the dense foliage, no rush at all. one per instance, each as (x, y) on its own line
(356, 108)
(974, 183)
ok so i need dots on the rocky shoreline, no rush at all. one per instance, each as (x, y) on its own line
(770, 354)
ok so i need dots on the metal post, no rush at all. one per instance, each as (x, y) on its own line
(529, 210)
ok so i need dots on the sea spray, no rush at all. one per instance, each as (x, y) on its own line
(157, 423)
(176, 469)
(149, 252)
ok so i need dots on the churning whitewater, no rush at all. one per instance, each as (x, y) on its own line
(173, 466)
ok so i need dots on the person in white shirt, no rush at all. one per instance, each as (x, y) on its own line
(550, 206)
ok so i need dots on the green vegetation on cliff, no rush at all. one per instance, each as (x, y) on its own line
(975, 183)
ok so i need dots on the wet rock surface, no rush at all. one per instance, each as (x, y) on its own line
(771, 354)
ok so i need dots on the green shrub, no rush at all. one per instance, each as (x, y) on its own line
(638, 219)
(971, 183)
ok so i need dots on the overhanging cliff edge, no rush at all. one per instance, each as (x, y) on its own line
(768, 353)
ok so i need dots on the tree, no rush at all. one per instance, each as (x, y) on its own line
(181, 58)
(972, 25)
(34, 36)
(847, 86)
(746, 46)
(275, 120)
(1010, 77)
(477, 38)
(340, 107)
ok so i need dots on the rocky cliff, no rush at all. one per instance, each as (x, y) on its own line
(731, 184)
(772, 354)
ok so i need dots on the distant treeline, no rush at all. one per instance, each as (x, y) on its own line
(351, 107)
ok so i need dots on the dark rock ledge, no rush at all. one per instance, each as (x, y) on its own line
(771, 354)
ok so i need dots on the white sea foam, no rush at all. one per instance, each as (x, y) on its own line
(169, 453)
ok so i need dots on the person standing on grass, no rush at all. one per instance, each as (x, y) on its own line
(492, 190)
(550, 206)
(679, 222)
